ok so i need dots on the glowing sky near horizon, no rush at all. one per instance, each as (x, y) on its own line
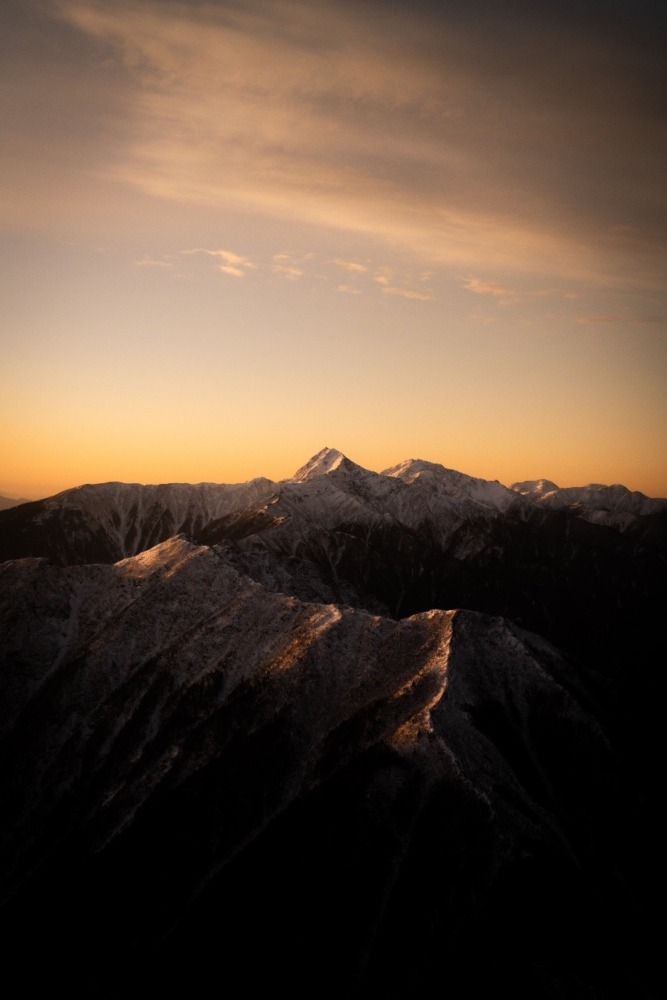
(235, 232)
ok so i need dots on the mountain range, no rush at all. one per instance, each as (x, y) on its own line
(348, 734)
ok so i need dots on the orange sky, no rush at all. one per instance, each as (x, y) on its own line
(235, 232)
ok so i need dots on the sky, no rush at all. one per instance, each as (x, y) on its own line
(233, 233)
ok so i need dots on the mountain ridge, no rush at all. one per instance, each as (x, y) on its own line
(177, 728)
(329, 459)
(413, 708)
(109, 521)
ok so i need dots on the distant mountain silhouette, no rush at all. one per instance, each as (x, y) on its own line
(7, 502)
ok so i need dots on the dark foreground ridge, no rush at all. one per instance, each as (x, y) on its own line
(274, 759)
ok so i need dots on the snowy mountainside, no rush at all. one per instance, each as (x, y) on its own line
(614, 498)
(415, 537)
(189, 750)
(615, 506)
(109, 521)
(420, 536)
(434, 492)
(447, 482)
(341, 528)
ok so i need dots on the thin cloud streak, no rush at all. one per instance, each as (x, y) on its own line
(233, 263)
(350, 265)
(407, 293)
(420, 135)
(492, 288)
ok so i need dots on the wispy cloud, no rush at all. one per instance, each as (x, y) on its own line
(362, 277)
(290, 271)
(457, 145)
(493, 288)
(407, 293)
(350, 265)
(232, 263)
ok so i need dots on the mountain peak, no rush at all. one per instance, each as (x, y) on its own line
(534, 487)
(412, 467)
(323, 462)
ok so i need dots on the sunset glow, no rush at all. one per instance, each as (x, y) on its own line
(235, 232)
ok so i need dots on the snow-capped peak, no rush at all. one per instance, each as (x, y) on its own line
(410, 468)
(450, 483)
(325, 461)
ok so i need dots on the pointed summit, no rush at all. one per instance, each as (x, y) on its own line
(319, 465)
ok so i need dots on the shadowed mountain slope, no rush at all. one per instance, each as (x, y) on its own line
(110, 521)
(204, 773)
